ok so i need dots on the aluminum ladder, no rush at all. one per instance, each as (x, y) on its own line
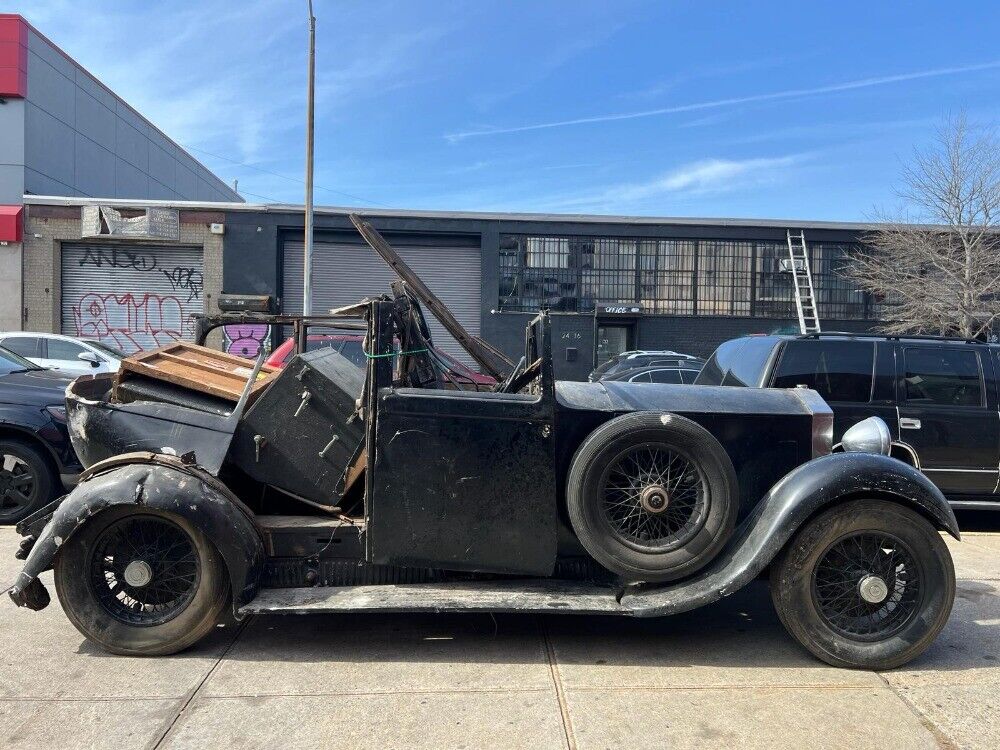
(805, 294)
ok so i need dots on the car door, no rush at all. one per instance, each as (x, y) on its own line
(947, 415)
(65, 356)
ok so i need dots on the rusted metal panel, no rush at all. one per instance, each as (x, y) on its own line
(472, 596)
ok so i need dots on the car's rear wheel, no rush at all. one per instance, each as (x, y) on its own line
(868, 584)
(27, 480)
(652, 497)
(138, 581)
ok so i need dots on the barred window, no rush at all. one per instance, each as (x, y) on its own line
(732, 278)
(724, 278)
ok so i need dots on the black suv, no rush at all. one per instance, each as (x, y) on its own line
(938, 396)
(36, 458)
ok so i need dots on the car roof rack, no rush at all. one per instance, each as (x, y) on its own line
(893, 337)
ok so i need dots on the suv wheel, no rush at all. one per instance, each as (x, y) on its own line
(27, 480)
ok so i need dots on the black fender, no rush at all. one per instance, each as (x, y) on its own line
(801, 494)
(154, 481)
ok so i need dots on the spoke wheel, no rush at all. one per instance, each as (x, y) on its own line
(144, 570)
(867, 583)
(867, 586)
(654, 497)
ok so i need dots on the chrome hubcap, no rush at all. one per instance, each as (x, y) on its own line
(654, 498)
(138, 573)
(873, 589)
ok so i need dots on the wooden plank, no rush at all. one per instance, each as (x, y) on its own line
(197, 368)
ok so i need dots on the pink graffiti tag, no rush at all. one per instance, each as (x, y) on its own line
(245, 340)
(130, 322)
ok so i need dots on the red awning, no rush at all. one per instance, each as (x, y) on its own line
(10, 223)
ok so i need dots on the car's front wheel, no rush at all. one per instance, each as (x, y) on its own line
(867, 584)
(138, 581)
(27, 480)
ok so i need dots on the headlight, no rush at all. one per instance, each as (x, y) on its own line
(868, 436)
(57, 412)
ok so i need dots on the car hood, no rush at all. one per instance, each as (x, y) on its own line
(34, 387)
(622, 397)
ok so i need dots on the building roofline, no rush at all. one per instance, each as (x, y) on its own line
(107, 88)
(279, 208)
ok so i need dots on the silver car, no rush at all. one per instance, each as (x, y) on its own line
(64, 353)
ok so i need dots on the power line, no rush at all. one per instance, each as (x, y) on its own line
(285, 177)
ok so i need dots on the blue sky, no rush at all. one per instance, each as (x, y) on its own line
(686, 108)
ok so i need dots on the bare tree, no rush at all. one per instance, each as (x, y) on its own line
(936, 267)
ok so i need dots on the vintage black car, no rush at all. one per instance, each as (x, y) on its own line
(393, 490)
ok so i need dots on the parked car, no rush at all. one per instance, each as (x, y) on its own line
(350, 346)
(937, 395)
(656, 374)
(342, 490)
(633, 360)
(36, 456)
(64, 353)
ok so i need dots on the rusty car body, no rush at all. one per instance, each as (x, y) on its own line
(338, 490)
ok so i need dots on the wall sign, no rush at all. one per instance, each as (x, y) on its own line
(150, 224)
(625, 310)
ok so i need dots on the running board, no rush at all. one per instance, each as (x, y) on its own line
(539, 595)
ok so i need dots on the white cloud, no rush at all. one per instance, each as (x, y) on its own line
(714, 104)
(705, 177)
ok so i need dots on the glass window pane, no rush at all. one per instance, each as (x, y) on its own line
(724, 278)
(611, 340)
(58, 349)
(718, 365)
(26, 346)
(665, 376)
(943, 375)
(640, 378)
(748, 368)
(837, 370)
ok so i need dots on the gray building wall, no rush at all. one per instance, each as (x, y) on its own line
(72, 136)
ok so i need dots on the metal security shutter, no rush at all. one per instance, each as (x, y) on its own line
(133, 297)
(346, 273)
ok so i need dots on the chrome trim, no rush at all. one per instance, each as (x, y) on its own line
(965, 471)
(909, 449)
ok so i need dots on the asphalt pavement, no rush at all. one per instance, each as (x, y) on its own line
(724, 676)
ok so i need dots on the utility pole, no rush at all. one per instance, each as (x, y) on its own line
(307, 261)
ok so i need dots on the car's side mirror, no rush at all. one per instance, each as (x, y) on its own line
(94, 360)
(868, 436)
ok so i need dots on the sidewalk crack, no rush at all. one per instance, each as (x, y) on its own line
(193, 693)
(550, 654)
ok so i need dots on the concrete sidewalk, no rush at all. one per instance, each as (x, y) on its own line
(723, 676)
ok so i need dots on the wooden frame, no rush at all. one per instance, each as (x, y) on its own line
(197, 368)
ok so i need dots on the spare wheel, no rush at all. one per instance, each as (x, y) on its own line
(652, 496)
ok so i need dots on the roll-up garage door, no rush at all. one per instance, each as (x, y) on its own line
(133, 297)
(346, 273)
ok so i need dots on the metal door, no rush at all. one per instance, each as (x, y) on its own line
(345, 273)
(131, 297)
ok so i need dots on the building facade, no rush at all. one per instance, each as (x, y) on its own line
(611, 283)
(62, 132)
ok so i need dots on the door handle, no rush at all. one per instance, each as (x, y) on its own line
(908, 423)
